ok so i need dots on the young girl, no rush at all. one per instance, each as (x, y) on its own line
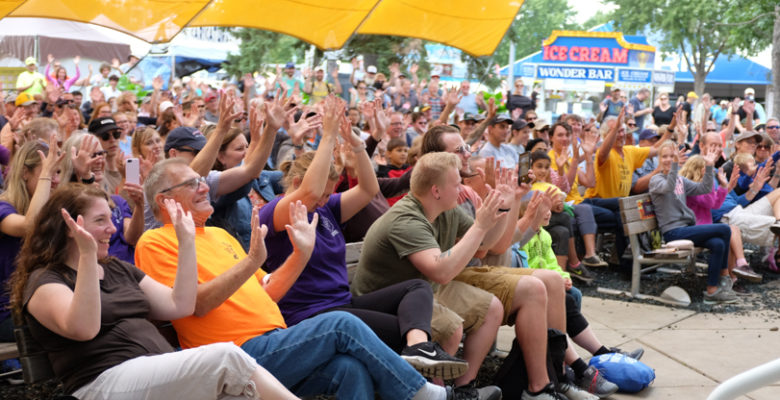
(677, 221)
(702, 206)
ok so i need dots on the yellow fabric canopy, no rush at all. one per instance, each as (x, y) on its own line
(475, 27)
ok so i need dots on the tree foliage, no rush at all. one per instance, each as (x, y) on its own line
(701, 30)
(534, 23)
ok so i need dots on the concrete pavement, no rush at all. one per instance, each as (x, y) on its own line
(691, 352)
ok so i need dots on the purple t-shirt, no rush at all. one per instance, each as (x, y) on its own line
(118, 246)
(323, 283)
(9, 249)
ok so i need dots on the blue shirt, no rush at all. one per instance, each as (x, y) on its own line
(504, 153)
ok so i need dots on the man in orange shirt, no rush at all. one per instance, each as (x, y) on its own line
(333, 353)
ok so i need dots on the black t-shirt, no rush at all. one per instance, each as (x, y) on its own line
(519, 101)
(743, 114)
(124, 334)
(663, 117)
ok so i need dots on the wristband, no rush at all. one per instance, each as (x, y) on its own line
(359, 148)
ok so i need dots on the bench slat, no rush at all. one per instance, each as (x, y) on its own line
(8, 350)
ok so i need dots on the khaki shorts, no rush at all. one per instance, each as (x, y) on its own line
(500, 281)
(754, 222)
(458, 304)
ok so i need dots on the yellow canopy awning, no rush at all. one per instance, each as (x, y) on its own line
(476, 27)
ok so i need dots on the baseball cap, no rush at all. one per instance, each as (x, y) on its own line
(102, 125)
(648, 134)
(30, 60)
(209, 97)
(290, 65)
(184, 136)
(519, 124)
(24, 99)
(10, 98)
(371, 69)
(501, 118)
(473, 117)
(693, 95)
(747, 135)
(539, 124)
(750, 90)
(615, 88)
(165, 105)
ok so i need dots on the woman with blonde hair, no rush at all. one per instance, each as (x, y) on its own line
(33, 175)
(702, 206)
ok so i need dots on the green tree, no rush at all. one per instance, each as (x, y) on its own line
(534, 23)
(260, 48)
(701, 30)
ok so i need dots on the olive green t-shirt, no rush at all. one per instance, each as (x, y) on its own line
(401, 231)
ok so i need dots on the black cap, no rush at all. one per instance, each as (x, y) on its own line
(101, 125)
(519, 124)
(501, 118)
(185, 136)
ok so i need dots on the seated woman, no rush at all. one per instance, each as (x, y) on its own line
(33, 175)
(702, 206)
(90, 311)
(401, 314)
(677, 221)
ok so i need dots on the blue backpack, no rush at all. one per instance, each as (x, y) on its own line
(628, 374)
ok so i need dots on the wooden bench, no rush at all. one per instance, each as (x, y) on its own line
(638, 217)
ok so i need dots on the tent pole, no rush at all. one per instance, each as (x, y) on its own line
(510, 79)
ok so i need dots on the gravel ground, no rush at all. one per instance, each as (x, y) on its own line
(762, 296)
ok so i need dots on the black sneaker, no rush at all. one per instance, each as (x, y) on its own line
(433, 362)
(468, 392)
(636, 354)
(548, 393)
(581, 273)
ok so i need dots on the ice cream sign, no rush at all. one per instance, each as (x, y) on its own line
(596, 48)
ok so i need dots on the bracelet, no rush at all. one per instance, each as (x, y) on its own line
(753, 192)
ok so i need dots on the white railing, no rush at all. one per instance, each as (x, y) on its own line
(748, 381)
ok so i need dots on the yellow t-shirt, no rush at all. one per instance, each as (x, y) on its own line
(574, 193)
(247, 313)
(613, 178)
(319, 91)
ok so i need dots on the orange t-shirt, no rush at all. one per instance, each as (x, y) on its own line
(613, 178)
(248, 313)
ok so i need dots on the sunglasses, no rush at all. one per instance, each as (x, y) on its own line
(461, 150)
(773, 127)
(106, 136)
(764, 146)
(632, 125)
(101, 153)
(711, 130)
(192, 184)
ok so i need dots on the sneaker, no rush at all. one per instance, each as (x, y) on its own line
(581, 273)
(747, 273)
(721, 295)
(468, 392)
(775, 228)
(636, 354)
(548, 393)
(592, 382)
(433, 362)
(594, 262)
(726, 282)
(574, 393)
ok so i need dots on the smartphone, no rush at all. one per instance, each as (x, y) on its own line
(132, 171)
(524, 164)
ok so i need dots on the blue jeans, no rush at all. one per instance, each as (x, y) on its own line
(606, 212)
(715, 237)
(334, 353)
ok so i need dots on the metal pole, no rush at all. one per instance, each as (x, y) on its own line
(510, 79)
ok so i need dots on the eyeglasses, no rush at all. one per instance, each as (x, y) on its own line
(191, 184)
(632, 125)
(664, 98)
(101, 153)
(106, 136)
(461, 149)
(763, 147)
(773, 127)
(711, 130)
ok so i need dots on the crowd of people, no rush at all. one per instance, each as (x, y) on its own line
(234, 226)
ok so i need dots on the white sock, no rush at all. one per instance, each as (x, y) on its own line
(429, 391)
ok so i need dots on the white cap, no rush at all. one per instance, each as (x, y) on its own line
(371, 69)
(750, 90)
(165, 105)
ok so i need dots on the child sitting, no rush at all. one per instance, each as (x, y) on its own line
(396, 154)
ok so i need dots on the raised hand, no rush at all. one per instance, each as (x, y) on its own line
(735, 104)
(382, 120)
(51, 161)
(722, 180)
(182, 221)
(734, 178)
(275, 113)
(709, 157)
(491, 108)
(452, 97)
(298, 129)
(257, 251)
(83, 158)
(76, 60)
(50, 58)
(302, 233)
(333, 111)
(748, 107)
(345, 129)
(85, 242)
(490, 172)
(682, 157)
(157, 83)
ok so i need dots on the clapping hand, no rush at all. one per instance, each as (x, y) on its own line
(182, 221)
(488, 215)
(85, 242)
(257, 251)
